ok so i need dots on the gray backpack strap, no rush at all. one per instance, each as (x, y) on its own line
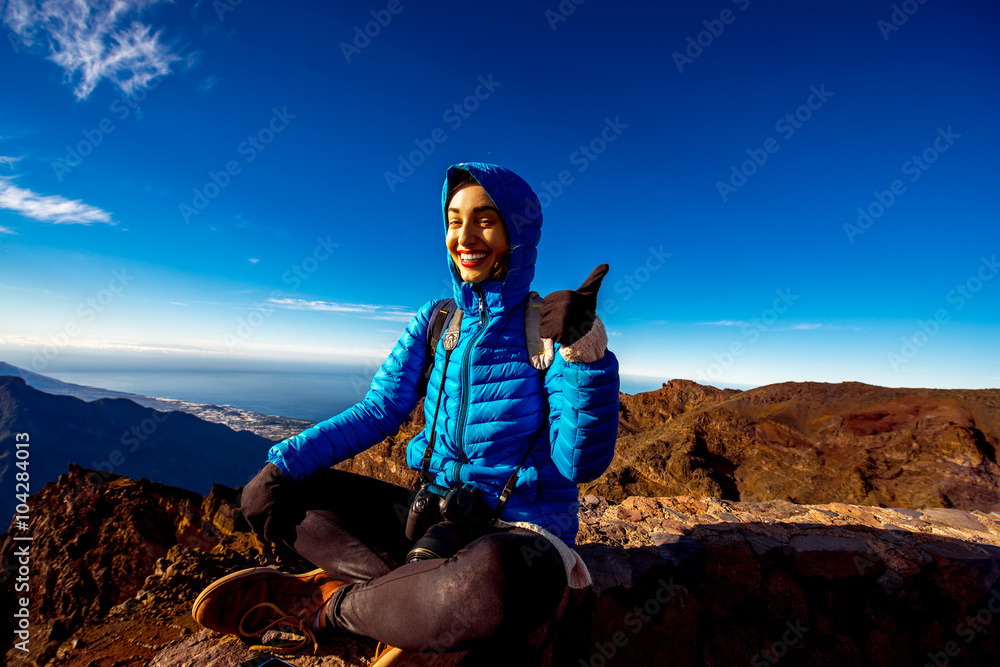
(540, 350)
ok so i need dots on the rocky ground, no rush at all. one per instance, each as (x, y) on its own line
(678, 581)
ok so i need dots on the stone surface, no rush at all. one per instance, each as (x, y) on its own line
(118, 566)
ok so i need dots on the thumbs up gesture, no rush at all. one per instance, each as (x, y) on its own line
(567, 315)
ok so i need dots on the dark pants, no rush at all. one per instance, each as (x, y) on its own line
(491, 595)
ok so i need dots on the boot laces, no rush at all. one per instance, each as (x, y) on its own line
(283, 622)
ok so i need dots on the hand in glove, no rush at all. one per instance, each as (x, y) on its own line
(567, 315)
(262, 500)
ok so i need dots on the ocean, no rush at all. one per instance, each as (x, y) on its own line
(312, 395)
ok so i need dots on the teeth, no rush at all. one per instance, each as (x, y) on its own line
(473, 256)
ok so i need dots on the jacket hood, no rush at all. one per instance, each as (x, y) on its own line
(522, 216)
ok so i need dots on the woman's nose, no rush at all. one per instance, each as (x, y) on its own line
(466, 234)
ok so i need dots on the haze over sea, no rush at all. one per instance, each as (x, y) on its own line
(305, 392)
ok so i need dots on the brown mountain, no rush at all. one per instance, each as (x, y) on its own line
(804, 442)
(810, 442)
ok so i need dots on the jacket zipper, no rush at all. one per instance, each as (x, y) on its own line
(465, 376)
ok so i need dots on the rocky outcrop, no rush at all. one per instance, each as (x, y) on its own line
(116, 564)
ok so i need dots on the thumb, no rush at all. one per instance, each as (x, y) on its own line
(593, 282)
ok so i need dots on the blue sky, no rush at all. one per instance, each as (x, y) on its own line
(784, 191)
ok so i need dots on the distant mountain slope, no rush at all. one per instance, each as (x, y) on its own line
(272, 427)
(117, 435)
(805, 442)
(810, 442)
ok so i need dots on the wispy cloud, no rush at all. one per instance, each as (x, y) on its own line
(6, 159)
(207, 84)
(367, 311)
(93, 40)
(6, 230)
(799, 326)
(49, 208)
(253, 260)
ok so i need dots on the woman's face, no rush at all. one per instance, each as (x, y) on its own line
(476, 235)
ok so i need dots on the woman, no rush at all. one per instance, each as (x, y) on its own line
(493, 419)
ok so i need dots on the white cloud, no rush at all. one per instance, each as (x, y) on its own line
(726, 323)
(253, 260)
(6, 159)
(367, 311)
(49, 208)
(95, 40)
(807, 326)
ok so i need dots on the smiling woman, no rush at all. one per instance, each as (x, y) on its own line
(486, 555)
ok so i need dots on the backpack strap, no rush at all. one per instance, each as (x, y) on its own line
(541, 351)
(445, 310)
(450, 341)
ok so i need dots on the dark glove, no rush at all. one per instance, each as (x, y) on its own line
(261, 497)
(567, 315)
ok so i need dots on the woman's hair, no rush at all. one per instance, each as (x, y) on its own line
(462, 177)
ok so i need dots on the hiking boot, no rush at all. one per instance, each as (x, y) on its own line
(251, 602)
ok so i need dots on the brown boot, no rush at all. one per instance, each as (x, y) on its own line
(251, 602)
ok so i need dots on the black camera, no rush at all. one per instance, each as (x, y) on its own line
(445, 520)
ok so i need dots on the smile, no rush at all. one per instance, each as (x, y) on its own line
(472, 259)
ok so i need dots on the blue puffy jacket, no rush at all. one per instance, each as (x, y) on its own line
(494, 399)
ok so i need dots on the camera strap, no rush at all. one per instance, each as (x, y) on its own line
(512, 480)
(449, 342)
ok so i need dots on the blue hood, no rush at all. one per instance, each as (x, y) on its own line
(522, 216)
